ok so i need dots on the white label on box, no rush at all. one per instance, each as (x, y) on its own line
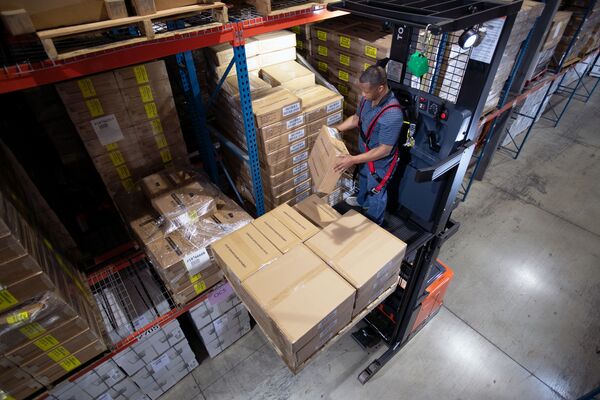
(221, 324)
(294, 122)
(302, 197)
(297, 146)
(160, 363)
(303, 187)
(334, 133)
(556, 30)
(105, 396)
(197, 261)
(140, 322)
(301, 178)
(291, 109)
(334, 106)
(300, 168)
(148, 332)
(107, 129)
(115, 375)
(486, 49)
(299, 134)
(300, 157)
(332, 119)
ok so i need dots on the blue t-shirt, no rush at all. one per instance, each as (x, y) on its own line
(386, 130)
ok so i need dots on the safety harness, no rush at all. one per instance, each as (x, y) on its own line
(381, 181)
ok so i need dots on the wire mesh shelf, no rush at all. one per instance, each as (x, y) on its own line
(447, 64)
(130, 296)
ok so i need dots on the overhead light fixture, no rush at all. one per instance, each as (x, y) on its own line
(468, 38)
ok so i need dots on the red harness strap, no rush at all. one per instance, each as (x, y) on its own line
(382, 182)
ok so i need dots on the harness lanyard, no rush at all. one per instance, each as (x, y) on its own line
(382, 182)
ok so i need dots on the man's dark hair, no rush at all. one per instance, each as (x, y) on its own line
(374, 76)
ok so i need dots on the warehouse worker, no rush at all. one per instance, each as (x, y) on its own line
(379, 119)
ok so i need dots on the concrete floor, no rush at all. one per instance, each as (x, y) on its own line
(521, 318)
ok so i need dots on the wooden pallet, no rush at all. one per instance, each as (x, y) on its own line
(265, 7)
(47, 37)
(338, 336)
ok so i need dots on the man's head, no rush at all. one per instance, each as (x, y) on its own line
(373, 83)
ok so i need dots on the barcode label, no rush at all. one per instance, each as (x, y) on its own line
(299, 168)
(334, 106)
(300, 178)
(334, 119)
(300, 157)
(291, 109)
(297, 146)
(299, 134)
(294, 122)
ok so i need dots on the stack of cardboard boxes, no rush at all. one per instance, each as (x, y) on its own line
(528, 14)
(221, 319)
(283, 266)
(552, 39)
(176, 215)
(303, 40)
(127, 121)
(289, 111)
(48, 319)
(588, 37)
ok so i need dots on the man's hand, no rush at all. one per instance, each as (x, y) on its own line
(343, 163)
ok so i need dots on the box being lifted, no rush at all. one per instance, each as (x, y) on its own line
(323, 157)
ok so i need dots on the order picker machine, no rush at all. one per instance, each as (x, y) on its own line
(442, 63)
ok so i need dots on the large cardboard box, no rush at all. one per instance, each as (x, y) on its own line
(557, 29)
(274, 41)
(323, 157)
(362, 40)
(141, 74)
(275, 105)
(285, 227)
(277, 57)
(242, 253)
(186, 204)
(365, 254)
(315, 127)
(318, 211)
(297, 299)
(230, 86)
(285, 140)
(290, 75)
(318, 102)
(222, 54)
(287, 125)
(288, 163)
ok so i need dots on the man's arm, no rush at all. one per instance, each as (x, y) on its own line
(348, 123)
(345, 162)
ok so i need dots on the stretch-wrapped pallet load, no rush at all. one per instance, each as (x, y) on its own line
(528, 14)
(127, 121)
(289, 111)
(176, 215)
(49, 323)
(583, 31)
(283, 265)
(551, 40)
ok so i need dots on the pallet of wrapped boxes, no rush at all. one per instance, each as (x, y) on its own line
(306, 285)
(177, 214)
(581, 35)
(49, 323)
(127, 121)
(550, 41)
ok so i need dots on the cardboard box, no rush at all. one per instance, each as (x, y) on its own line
(283, 141)
(274, 41)
(315, 127)
(275, 105)
(277, 57)
(285, 152)
(242, 253)
(141, 74)
(253, 64)
(290, 75)
(323, 157)
(197, 287)
(222, 54)
(285, 227)
(17, 269)
(318, 102)
(365, 254)
(184, 205)
(77, 90)
(316, 209)
(557, 29)
(230, 86)
(146, 92)
(362, 40)
(298, 284)
(287, 125)
(161, 182)
(95, 107)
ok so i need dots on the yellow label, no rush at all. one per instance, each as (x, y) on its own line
(343, 75)
(322, 51)
(58, 353)
(200, 287)
(117, 158)
(296, 29)
(156, 126)
(344, 60)
(366, 65)
(141, 75)
(47, 244)
(46, 343)
(17, 317)
(151, 110)
(161, 141)
(166, 155)
(128, 184)
(123, 172)
(193, 215)
(5, 396)
(32, 330)
(343, 89)
(94, 107)
(6, 299)
(322, 66)
(299, 44)
(146, 93)
(70, 363)
(112, 146)
(345, 42)
(195, 278)
(371, 51)
(321, 35)
(87, 88)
